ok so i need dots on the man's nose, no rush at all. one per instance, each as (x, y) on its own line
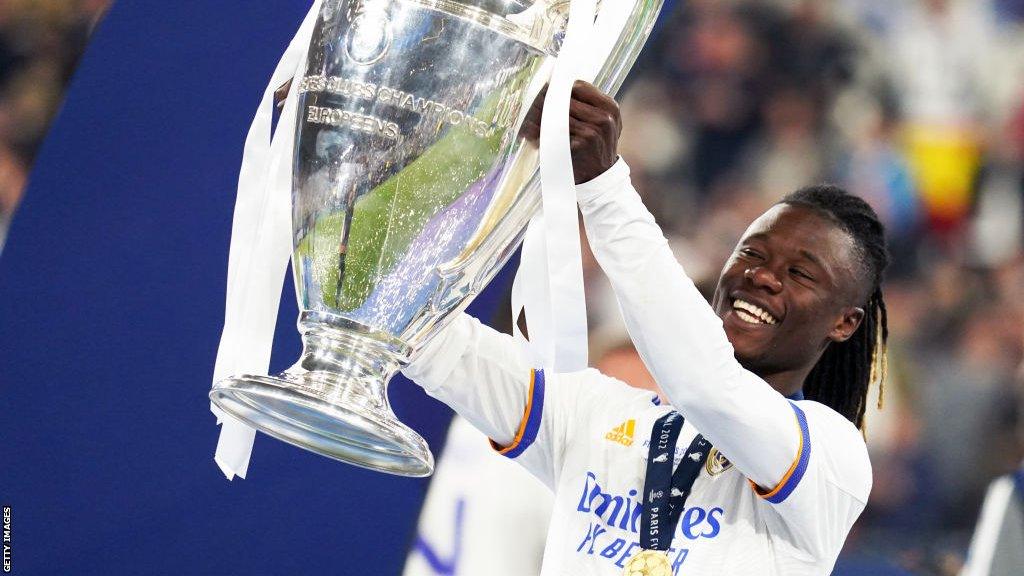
(762, 277)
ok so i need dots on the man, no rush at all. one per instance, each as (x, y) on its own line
(798, 310)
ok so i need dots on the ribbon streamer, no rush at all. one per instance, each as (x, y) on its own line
(260, 247)
(549, 282)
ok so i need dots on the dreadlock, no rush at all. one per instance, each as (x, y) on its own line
(845, 370)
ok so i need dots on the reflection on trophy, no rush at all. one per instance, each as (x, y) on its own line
(411, 188)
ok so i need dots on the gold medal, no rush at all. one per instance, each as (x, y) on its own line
(648, 563)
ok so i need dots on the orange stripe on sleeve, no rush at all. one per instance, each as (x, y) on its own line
(523, 422)
(796, 470)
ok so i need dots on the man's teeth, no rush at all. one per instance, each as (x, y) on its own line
(753, 314)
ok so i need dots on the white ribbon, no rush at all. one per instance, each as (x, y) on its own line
(261, 244)
(549, 282)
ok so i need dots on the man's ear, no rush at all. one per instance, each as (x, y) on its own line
(846, 324)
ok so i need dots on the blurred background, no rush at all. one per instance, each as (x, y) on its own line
(916, 105)
(40, 43)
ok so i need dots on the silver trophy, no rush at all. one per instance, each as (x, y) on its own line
(411, 188)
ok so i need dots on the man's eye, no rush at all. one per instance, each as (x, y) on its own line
(801, 273)
(750, 253)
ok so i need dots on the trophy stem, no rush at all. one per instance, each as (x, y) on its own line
(333, 401)
(341, 367)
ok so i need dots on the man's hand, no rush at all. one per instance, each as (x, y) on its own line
(594, 128)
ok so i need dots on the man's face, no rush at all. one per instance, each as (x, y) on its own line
(790, 287)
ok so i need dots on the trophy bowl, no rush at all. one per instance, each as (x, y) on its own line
(411, 188)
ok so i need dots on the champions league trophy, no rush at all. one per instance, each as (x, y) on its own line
(411, 188)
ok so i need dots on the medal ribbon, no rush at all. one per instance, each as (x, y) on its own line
(665, 492)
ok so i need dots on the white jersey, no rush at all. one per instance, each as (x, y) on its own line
(586, 435)
(478, 502)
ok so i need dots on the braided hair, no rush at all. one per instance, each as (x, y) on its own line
(846, 369)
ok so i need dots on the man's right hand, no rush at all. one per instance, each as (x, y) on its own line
(594, 128)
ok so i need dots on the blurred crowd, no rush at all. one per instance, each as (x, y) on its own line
(40, 43)
(918, 106)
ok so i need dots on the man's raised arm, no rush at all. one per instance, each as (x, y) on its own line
(675, 330)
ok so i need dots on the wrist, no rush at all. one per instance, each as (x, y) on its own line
(611, 179)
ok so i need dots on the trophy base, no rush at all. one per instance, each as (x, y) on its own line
(289, 409)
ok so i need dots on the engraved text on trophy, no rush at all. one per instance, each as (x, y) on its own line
(504, 113)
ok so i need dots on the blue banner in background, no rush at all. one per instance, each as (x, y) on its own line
(111, 304)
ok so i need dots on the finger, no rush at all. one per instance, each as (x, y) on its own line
(590, 94)
(583, 130)
(538, 102)
(530, 131)
(577, 143)
(536, 109)
(532, 119)
(607, 122)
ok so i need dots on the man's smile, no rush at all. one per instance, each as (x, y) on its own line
(752, 313)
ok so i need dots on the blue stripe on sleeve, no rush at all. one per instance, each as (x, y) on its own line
(533, 419)
(801, 466)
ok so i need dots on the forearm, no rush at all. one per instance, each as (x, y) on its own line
(680, 337)
(479, 373)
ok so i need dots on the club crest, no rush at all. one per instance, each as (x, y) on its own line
(717, 463)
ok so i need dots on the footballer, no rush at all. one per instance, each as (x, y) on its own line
(756, 464)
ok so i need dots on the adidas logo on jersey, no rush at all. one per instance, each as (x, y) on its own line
(623, 433)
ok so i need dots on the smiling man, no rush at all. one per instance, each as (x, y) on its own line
(757, 465)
